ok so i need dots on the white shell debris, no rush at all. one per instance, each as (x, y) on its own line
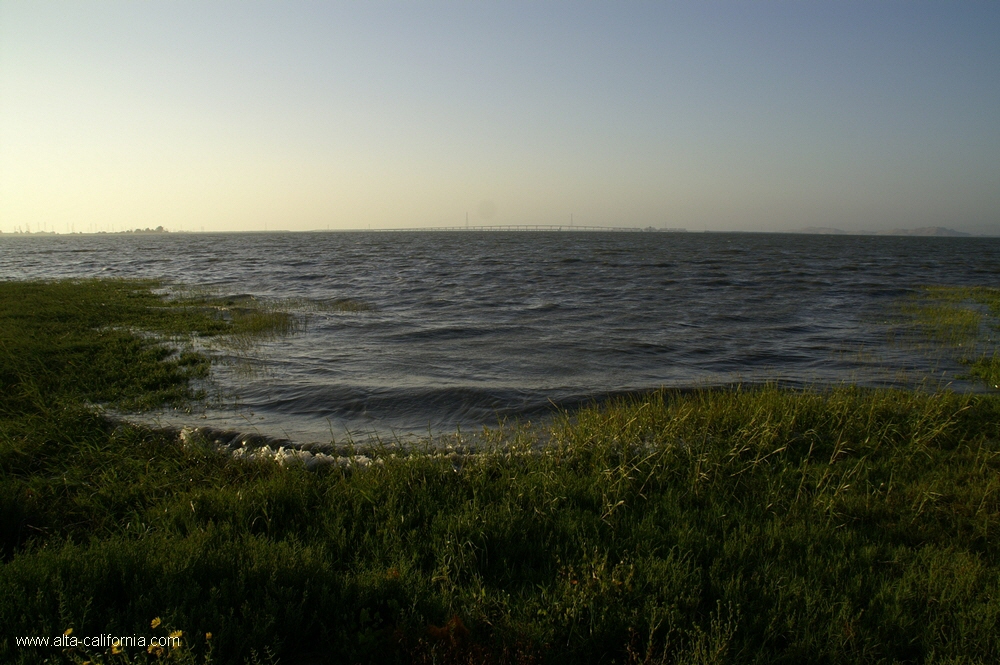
(282, 451)
(315, 455)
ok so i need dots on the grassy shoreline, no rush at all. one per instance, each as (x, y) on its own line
(740, 526)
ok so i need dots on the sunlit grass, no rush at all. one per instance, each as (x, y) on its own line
(848, 525)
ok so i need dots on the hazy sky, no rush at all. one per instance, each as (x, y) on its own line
(303, 115)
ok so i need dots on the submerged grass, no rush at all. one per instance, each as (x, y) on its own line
(965, 320)
(247, 320)
(741, 526)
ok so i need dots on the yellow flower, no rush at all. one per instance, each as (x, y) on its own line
(155, 649)
(116, 647)
(68, 631)
(208, 636)
(154, 623)
(176, 634)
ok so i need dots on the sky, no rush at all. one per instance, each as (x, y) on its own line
(709, 115)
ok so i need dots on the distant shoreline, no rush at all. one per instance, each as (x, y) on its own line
(922, 232)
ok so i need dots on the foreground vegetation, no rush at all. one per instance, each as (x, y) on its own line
(743, 526)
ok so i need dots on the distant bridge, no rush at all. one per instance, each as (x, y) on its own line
(530, 227)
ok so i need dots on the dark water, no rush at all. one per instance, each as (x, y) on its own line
(466, 327)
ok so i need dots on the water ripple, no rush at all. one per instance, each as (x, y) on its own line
(468, 328)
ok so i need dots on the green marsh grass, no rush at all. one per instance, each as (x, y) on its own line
(718, 526)
(963, 320)
(247, 320)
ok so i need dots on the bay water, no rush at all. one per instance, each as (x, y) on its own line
(406, 334)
